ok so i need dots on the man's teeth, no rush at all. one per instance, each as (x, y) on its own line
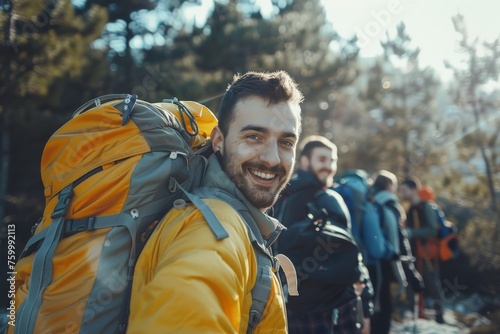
(264, 175)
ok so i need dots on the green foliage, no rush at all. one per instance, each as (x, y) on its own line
(44, 43)
(321, 60)
(400, 46)
(394, 102)
(117, 10)
(473, 96)
(479, 243)
(201, 61)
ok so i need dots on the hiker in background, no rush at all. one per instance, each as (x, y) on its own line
(330, 278)
(185, 280)
(426, 193)
(422, 228)
(447, 231)
(383, 258)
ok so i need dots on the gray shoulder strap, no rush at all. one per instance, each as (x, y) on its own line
(212, 220)
(265, 260)
(42, 265)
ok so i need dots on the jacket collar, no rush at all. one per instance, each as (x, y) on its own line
(305, 179)
(215, 177)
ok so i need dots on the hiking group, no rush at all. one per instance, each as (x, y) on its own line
(163, 218)
(350, 242)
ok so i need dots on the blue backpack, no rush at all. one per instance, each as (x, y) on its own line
(447, 235)
(353, 185)
(381, 230)
(368, 228)
(445, 227)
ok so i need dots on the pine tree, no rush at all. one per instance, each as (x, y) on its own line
(44, 41)
(40, 43)
(297, 38)
(409, 99)
(471, 95)
(126, 22)
(398, 112)
(322, 61)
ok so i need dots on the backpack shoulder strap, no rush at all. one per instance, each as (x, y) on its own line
(265, 260)
(380, 212)
(214, 223)
(429, 211)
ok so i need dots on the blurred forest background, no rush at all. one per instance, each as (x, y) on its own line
(385, 112)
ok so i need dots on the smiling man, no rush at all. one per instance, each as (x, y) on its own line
(185, 280)
(258, 149)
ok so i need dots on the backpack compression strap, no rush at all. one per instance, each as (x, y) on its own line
(42, 265)
(46, 242)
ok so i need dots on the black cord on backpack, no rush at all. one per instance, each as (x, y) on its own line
(183, 110)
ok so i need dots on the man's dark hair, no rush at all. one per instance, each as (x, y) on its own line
(384, 180)
(312, 142)
(273, 87)
(412, 183)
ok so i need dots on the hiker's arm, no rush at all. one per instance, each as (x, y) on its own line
(199, 284)
(430, 228)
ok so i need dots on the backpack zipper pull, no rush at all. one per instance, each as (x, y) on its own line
(134, 213)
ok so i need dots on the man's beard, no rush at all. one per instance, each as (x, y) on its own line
(327, 181)
(260, 196)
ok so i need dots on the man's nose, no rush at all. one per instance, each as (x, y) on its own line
(270, 154)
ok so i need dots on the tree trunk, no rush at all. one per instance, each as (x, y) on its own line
(484, 155)
(128, 63)
(477, 118)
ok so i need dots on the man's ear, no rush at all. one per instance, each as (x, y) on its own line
(304, 162)
(217, 139)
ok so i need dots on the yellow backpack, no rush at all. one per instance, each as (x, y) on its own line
(110, 174)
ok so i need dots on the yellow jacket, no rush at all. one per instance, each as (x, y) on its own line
(186, 281)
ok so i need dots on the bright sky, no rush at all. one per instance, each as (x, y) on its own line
(428, 23)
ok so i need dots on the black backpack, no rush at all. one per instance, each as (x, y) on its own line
(321, 246)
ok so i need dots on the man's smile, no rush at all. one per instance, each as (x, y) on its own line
(263, 175)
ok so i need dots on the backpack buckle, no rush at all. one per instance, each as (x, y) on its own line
(63, 202)
(78, 225)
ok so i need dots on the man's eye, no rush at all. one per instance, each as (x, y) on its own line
(254, 137)
(288, 143)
